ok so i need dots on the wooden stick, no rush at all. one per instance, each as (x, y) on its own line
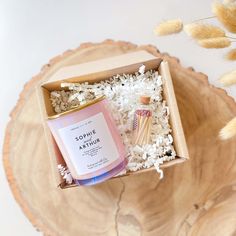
(141, 132)
(149, 129)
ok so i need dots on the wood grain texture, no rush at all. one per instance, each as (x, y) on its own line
(194, 198)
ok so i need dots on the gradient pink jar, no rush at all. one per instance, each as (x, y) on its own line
(89, 141)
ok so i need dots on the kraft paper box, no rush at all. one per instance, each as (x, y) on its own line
(100, 70)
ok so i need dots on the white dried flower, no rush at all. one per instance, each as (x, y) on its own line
(169, 27)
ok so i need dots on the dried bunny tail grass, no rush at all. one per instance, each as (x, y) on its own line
(231, 55)
(226, 14)
(169, 27)
(229, 1)
(229, 130)
(203, 31)
(228, 78)
(220, 42)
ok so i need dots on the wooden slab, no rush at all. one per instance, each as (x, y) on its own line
(194, 198)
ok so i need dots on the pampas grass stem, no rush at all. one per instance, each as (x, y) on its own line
(229, 130)
(206, 18)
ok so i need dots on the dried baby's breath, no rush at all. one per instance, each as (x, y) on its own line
(169, 27)
(203, 31)
(219, 42)
(226, 14)
(231, 55)
(228, 78)
(229, 130)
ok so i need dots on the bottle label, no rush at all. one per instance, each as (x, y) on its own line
(89, 144)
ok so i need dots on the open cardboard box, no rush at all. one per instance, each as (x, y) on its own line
(100, 70)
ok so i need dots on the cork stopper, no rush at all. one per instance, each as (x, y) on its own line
(145, 100)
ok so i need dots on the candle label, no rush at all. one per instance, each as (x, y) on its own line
(89, 144)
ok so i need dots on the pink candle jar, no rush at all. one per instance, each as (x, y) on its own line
(89, 142)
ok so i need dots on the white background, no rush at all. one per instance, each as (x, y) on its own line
(32, 32)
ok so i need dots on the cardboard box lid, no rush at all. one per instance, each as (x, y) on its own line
(105, 64)
(100, 69)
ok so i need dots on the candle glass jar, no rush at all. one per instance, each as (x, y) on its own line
(89, 141)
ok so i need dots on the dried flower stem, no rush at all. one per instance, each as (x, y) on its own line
(205, 18)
